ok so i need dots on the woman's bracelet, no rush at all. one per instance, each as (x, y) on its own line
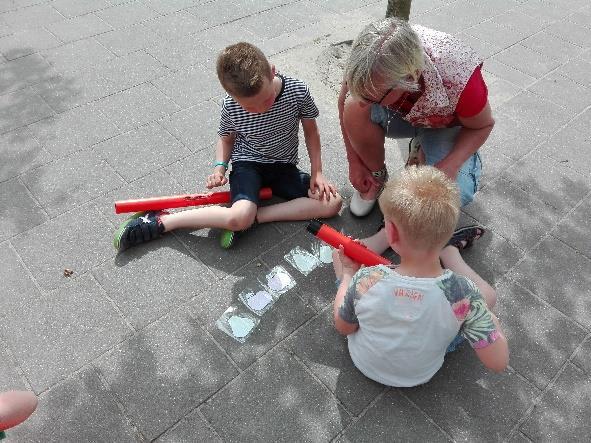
(224, 164)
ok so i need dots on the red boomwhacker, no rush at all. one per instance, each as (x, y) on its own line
(180, 201)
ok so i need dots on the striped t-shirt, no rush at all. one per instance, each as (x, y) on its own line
(270, 137)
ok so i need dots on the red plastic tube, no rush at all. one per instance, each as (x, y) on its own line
(354, 250)
(180, 201)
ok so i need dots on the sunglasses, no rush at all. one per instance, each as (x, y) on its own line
(379, 102)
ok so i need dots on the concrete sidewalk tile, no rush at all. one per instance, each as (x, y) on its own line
(499, 90)
(494, 163)
(340, 6)
(136, 106)
(187, 50)
(132, 70)
(563, 91)
(78, 241)
(174, 26)
(581, 17)
(51, 340)
(190, 428)
(73, 8)
(10, 377)
(18, 287)
(79, 27)
(574, 230)
(496, 33)
(564, 411)
(190, 86)
(77, 56)
(90, 411)
(540, 338)
(520, 217)
(20, 73)
(73, 130)
(581, 122)
(169, 6)
(471, 403)
(508, 73)
(31, 17)
(325, 352)
(275, 400)
(268, 23)
(525, 60)
(392, 418)
(20, 108)
(515, 19)
(20, 152)
(304, 13)
(157, 277)
(485, 48)
(569, 293)
(216, 12)
(127, 14)
(141, 151)
(582, 359)
(549, 181)
(158, 183)
(196, 127)
(578, 70)
(284, 317)
(124, 41)
(552, 47)
(547, 12)
(570, 147)
(19, 212)
(71, 181)
(192, 171)
(571, 32)
(27, 42)
(164, 372)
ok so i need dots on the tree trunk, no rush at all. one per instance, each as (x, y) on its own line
(398, 8)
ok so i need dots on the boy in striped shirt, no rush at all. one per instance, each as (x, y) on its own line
(258, 133)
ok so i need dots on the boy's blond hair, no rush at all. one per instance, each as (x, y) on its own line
(242, 69)
(424, 203)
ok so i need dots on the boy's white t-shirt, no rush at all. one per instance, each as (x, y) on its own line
(406, 323)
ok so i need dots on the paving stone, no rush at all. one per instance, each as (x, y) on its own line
(19, 108)
(27, 42)
(507, 209)
(20, 152)
(499, 90)
(31, 17)
(582, 358)
(190, 428)
(481, 406)
(577, 71)
(19, 212)
(564, 410)
(157, 277)
(190, 85)
(217, 12)
(524, 59)
(10, 377)
(143, 372)
(168, 6)
(188, 50)
(304, 13)
(549, 180)
(133, 70)
(79, 55)
(268, 23)
(124, 41)
(141, 151)
(136, 106)
(196, 127)
(570, 147)
(79, 27)
(508, 73)
(496, 33)
(19, 289)
(175, 26)
(547, 44)
(484, 48)
(540, 338)
(392, 418)
(51, 340)
(127, 14)
(284, 317)
(192, 171)
(494, 164)
(563, 91)
(552, 257)
(74, 130)
(547, 12)
(573, 230)
(71, 181)
(73, 8)
(291, 403)
(90, 412)
(78, 240)
(25, 71)
(517, 20)
(582, 17)
(325, 353)
(571, 32)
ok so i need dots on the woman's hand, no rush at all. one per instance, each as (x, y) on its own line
(360, 177)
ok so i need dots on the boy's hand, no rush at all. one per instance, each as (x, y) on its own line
(218, 178)
(347, 266)
(320, 187)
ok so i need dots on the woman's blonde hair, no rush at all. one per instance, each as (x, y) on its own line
(424, 204)
(386, 54)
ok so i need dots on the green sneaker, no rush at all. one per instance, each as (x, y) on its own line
(139, 228)
(227, 238)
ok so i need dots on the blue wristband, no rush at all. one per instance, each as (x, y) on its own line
(224, 164)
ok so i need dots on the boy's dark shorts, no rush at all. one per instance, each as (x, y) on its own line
(285, 179)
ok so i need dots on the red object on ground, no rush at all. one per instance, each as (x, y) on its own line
(180, 201)
(16, 407)
(354, 250)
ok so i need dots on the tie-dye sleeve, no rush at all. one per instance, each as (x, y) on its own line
(361, 282)
(478, 327)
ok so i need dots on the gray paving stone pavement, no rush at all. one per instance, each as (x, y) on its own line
(103, 100)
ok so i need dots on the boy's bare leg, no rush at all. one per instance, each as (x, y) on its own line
(452, 260)
(236, 217)
(300, 209)
(378, 242)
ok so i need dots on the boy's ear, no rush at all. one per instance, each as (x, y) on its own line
(391, 232)
(273, 71)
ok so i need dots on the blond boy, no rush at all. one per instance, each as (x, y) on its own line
(401, 320)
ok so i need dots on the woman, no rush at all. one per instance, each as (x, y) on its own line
(404, 81)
